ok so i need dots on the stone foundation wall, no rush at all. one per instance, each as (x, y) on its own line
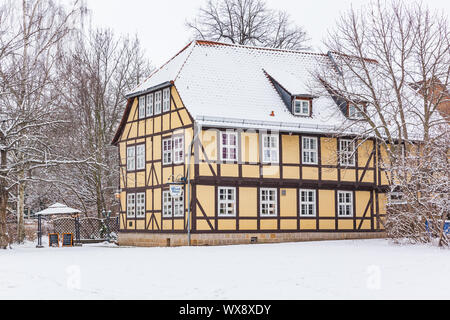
(219, 239)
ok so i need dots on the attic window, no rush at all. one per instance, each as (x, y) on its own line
(301, 107)
(356, 111)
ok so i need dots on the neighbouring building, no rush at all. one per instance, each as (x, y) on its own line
(264, 162)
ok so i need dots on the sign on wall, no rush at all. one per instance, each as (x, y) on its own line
(176, 190)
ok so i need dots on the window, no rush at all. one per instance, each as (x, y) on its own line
(167, 204)
(355, 111)
(142, 107)
(347, 152)
(270, 148)
(345, 204)
(227, 202)
(173, 207)
(309, 150)
(301, 107)
(158, 102)
(149, 106)
(140, 205)
(178, 149)
(131, 159)
(166, 99)
(229, 146)
(140, 157)
(131, 198)
(268, 202)
(307, 203)
(167, 151)
(178, 206)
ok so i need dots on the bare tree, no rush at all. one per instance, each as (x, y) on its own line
(247, 22)
(31, 35)
(99, 71)
(385, 60)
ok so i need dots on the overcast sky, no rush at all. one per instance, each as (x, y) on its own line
(160, 25)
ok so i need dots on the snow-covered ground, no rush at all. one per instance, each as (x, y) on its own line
(360, 269)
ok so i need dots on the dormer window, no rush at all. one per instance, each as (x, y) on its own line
(301, 107)
(356, 111)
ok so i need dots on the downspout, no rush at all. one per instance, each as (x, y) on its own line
(197, 130)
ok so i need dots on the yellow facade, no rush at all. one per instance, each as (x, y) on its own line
(248, 176)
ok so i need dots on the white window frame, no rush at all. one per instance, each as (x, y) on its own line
(166, 100)
(167, 155)
(140, 157)
(178, 149)
(140, 205)
(226, 202)
(131, 205)
(342, 195)
(308, 204)
(149, 105)
(158, 102)
(301, 112)
(307, 150)
(265, 203)
(131, 158)
(228, 146)
(347, 157)
(354, 111)
(274, 151)
(178, 206)
(167, 204)
(141, 107)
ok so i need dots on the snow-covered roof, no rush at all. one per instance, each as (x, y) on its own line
(227, 85)
(58, 209)
(221, 83)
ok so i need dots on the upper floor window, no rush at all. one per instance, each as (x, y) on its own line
(347, 152)
(309, 150)
(345, 203)
(268, 202)
(173, 150)
(301, 107)
(167, 151)
(140, 157)
(131, 158)
(166, 99)
(356, 111)
(227, 202)
(270, 148)
(149, 107)
(178, 149)
(157, 102)
(228, 143)
(142, 107)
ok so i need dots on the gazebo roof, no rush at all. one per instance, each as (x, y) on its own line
(58, 209)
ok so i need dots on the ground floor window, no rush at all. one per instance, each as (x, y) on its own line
(173, 207)
(268, 202)
(131, 204)
(140, 205)
(345, 203)
(227, 202)
(167, 204)
(178, 206)
(307, 203)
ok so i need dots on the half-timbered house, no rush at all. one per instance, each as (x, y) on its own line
(258, 154)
